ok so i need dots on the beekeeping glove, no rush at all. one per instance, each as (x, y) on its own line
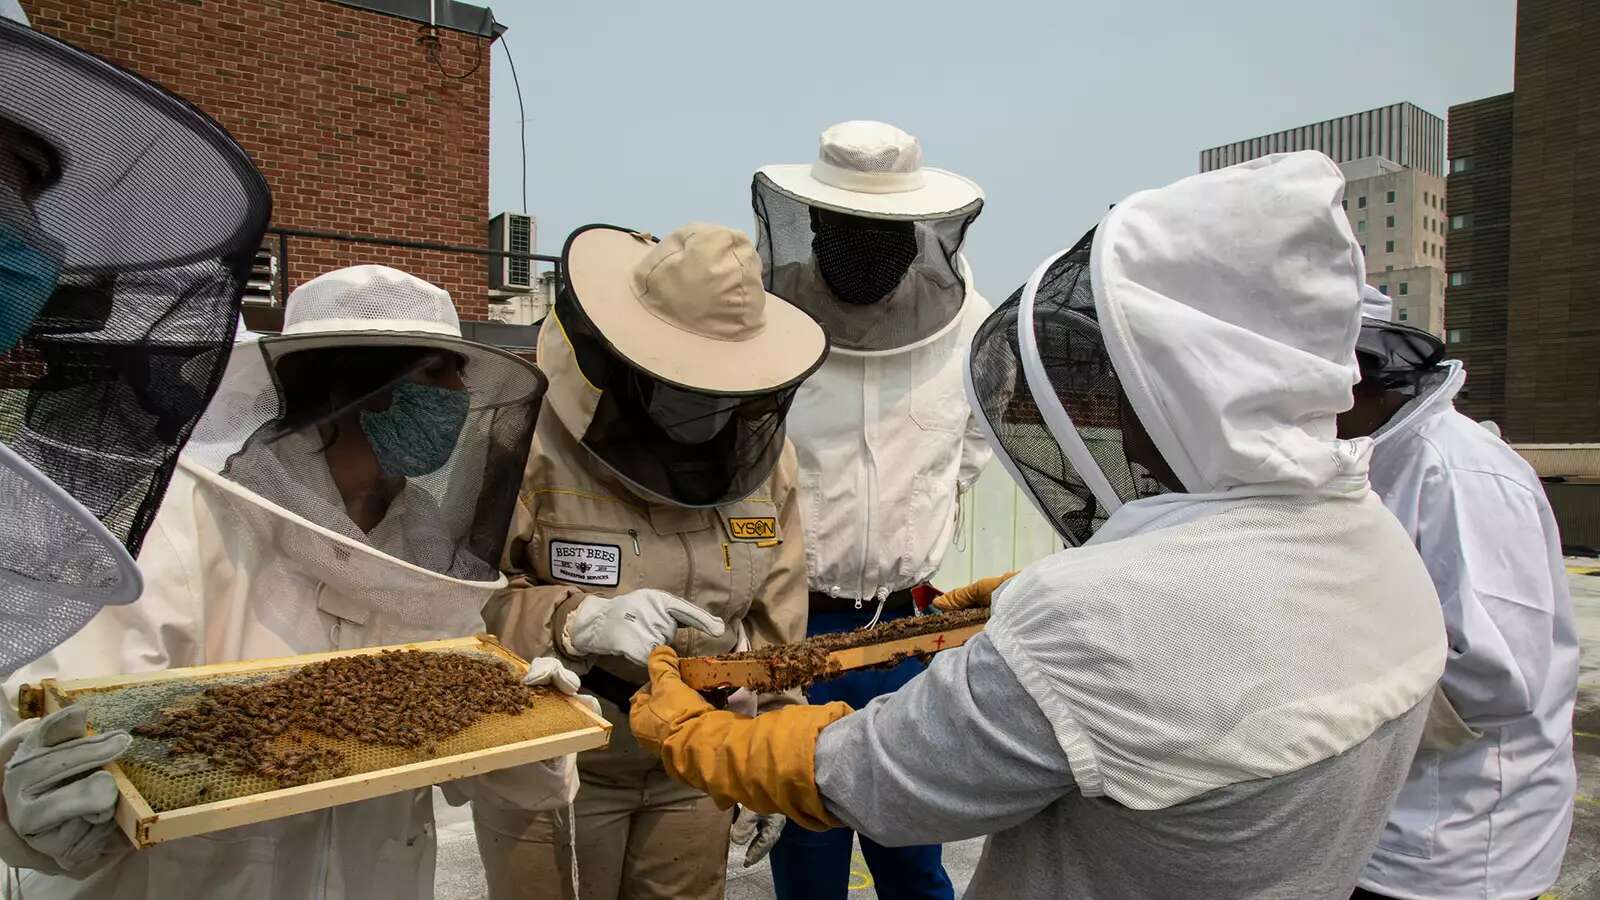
(974, 594)
(56, 800)
(765, 763)
(756, 833)
(632, 624)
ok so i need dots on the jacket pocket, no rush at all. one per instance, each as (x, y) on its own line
(939, 402)
(1411, 826)
(237, 868)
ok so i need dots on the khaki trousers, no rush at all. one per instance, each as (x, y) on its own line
(643, 840)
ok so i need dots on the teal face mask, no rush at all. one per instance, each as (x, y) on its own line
(419, 430)
(28, 277)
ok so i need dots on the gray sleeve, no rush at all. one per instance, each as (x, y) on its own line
(960, 751)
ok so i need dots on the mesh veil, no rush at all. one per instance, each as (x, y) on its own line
(1052, 404)
(157, 214)
(1396, 357)
(875, 283)
(633, 436)
(431, 562)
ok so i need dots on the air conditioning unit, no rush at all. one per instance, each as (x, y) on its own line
(259, 289)
(514, 233)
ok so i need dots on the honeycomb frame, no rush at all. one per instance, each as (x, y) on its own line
(161, 800)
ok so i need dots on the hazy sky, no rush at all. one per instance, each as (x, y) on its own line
(653, 114)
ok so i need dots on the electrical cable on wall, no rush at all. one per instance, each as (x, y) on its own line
(430, 40)
(522, 122)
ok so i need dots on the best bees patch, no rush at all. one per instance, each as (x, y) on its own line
(580, 563)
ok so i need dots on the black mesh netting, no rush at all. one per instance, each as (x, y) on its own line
(691, 448)
(155, 215)
(874, 283)
(1072, 358)
(1396, 357)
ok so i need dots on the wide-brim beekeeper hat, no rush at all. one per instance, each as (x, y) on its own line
(873, 169)
(151, 216)
(866, 238)
(1392, 355)
(671, 363)
(690, 309)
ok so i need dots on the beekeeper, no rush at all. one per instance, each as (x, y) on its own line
(1217, 690)
(1488, 806)
(122, 264)
(659, 506)
(868, 240)
(349, 487)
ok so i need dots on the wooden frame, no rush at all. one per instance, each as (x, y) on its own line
(145, 827)
(705, 673)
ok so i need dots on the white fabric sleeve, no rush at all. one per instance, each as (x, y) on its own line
(975, 449)
(961, 751)
(1481, 538)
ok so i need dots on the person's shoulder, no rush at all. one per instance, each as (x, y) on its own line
(1464, 449)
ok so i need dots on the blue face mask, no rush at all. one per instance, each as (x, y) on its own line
(419, 430)
(28, 277)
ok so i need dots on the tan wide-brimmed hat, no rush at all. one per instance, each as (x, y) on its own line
(690, 309)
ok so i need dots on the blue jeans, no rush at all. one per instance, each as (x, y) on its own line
(809, 865)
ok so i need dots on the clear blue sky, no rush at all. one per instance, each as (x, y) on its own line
(652, 114)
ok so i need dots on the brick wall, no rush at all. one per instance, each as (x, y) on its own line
(356, 130)
(1480, 131)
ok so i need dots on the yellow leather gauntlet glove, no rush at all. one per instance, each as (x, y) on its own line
(766, 764)
(974, 594)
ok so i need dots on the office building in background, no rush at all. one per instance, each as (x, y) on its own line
(1524, 288)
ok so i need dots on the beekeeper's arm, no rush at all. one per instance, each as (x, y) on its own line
(1481, 539)
(960, 751)
(778, 614)
(975, 449)
(55, 807)
(572, 625)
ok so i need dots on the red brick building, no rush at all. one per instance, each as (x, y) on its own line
(363, 121)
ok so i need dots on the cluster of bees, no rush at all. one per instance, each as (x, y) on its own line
(410, 699)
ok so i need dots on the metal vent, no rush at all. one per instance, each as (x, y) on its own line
(513, 233)
(259, 290)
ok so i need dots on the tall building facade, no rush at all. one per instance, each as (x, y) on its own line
(1401, 132)
(361, 121)
(1399, 217)
(1529, 332)
(1480, 251)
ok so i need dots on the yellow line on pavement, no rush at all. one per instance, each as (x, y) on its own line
(1583, 570)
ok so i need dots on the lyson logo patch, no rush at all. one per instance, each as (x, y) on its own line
(753, 528)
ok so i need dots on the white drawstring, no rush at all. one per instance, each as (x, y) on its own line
(883, 599)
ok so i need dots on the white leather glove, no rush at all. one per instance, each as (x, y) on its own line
(756, 833)
(546, 671)
(632, 624)
(57, 800)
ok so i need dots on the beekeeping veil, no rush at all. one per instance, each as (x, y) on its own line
(1199, 340)
(125, 253)
(1392, 356)
(867, 239)
(671, 365)
(448, 421)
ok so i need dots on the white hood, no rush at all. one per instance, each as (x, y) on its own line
(1234, 342)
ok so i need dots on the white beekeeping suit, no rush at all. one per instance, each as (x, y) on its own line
(868, 241)
(258, 552)
(1216, 691)
(1487, 812)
